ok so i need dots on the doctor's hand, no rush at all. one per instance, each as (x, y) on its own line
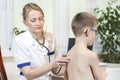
(60, 61)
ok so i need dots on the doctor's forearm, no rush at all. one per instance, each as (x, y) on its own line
(32, 73)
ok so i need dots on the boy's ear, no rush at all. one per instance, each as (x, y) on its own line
(86, 31)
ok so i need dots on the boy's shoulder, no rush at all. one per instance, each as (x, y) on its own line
(91, 53)
(92, 56)
(85, 53)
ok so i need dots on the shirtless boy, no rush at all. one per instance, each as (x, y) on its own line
(84, 64)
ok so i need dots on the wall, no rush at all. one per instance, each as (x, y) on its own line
(75, 6)
(113, 73)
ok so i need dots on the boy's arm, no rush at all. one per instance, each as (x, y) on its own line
(96, 70)
(66, 75)
(103, 70)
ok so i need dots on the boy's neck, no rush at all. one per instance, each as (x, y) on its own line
(80, 42)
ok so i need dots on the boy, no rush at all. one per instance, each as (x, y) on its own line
(84, 64)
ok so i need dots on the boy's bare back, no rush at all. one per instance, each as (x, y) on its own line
(79, 67)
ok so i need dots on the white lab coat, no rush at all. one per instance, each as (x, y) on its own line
(27, 51)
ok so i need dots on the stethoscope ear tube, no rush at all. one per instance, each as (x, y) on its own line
(49, 53)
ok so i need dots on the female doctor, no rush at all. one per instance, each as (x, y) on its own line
(35, 51)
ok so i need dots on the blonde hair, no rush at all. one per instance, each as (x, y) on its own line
(28, 7)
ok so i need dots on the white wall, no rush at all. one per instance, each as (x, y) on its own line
(75, 6)
(113, 73)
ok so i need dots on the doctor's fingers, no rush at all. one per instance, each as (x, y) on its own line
(59, 62)
(62, 60)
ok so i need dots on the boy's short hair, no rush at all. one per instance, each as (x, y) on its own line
(82, 20)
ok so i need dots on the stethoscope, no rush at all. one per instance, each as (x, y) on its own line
(48, 53)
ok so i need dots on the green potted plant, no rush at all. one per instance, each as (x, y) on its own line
(109, 25)
(17, 31)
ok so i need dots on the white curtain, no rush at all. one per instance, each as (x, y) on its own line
(6, 23)
(61, 23)
(90, 5)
